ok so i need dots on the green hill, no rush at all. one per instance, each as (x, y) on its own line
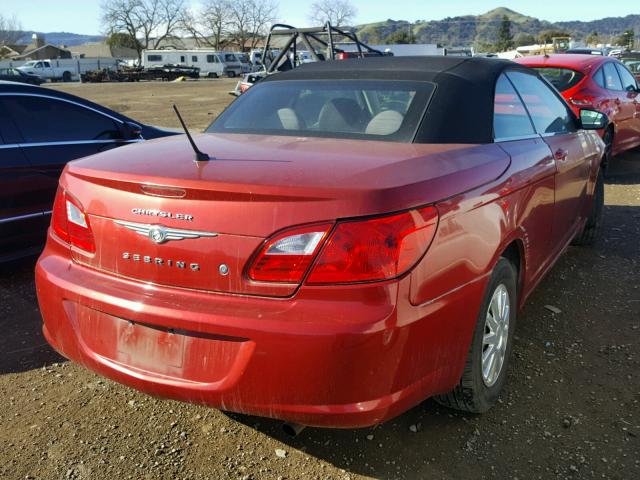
(481, 30)
(498, 13)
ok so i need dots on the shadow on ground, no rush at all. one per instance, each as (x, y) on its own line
(625, 169)
(22, 344)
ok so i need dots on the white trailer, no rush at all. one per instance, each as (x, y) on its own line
(66, 70)
(400, 50)
(210, 62)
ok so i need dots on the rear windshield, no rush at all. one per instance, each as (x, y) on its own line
(561, 78)
(370, 110)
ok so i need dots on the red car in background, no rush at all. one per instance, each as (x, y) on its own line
(362, 240)
(600, 83)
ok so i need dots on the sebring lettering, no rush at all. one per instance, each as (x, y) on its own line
(162, 262)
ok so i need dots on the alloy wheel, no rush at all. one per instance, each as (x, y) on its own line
(496, 335)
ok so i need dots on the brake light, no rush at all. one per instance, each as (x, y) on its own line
(377, 249)
(341, 56)
(287, 256)
(70, 222)
(356, 251)
(59, 217)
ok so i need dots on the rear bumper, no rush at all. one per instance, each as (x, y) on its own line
(336, 357)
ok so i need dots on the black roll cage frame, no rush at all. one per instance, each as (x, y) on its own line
(306, 35)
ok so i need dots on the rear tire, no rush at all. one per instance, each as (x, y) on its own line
(481, 382)
(231, 74)
(590, 231)
(66, 77)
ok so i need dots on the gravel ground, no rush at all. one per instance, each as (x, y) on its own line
(571, 407)
(150, 102)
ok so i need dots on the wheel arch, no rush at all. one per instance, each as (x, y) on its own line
(608, 154)
(515, 253)
(611, 126)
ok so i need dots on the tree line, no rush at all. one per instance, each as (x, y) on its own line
(10, 30)
(148, 24)
(506, 41)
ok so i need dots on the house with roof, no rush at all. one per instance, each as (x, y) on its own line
(38, 49)
(192, 43)
(102, 50)
(10, 51)
(45, 52)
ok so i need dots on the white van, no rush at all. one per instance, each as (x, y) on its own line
(247, 67)
(233, 60)
(255, 57)
(211, 63)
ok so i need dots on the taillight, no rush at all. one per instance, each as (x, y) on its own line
(70, 222)
(356, 251)
(59, 217)
(287, 256)
(375, 249)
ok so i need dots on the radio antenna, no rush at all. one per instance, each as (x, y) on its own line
(200, 155)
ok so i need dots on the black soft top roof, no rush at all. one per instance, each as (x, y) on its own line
(461, 110)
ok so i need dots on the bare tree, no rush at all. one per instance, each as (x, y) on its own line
(250, 20)
(262, 15)
(170, 13)
(217, 16)
(150, 21)
(210, 23)
(239, 23)
(10, 30)
(338, 12)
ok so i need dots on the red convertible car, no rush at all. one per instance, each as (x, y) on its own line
(601, 83)
(361, 238)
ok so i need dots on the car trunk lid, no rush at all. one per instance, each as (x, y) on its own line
(160, 217)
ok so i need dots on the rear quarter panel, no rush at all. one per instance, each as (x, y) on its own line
(477, 226)
(474, 230)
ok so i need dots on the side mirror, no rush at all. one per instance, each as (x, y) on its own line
(633, 89)
(131, 130)
(593, 120)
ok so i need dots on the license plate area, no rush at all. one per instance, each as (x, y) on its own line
(154, 351)
(145, 347)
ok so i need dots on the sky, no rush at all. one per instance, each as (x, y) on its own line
(83, 16)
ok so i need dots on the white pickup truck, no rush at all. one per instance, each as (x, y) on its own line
(44, 70)
(66, 70)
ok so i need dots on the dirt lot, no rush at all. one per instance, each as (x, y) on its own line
(571, 408)
(199, 101)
